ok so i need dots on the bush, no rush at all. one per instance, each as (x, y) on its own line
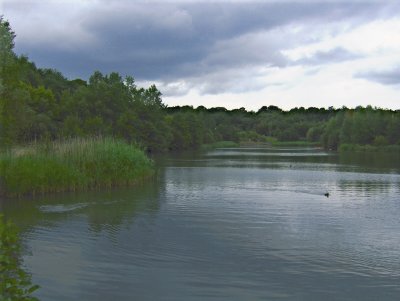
(380, 141)
(15, 283)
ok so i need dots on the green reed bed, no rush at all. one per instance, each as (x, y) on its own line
(394, 149)
(72, 165)
(296, 143)
(218, 144)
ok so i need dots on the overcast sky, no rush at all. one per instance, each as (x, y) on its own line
(231, 53)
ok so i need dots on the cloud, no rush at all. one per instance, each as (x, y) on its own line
(331, 56)
(385, 77)
(210, 47)
(160, 40)
(370, 38)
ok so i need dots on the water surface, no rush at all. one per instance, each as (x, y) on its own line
(230, 224)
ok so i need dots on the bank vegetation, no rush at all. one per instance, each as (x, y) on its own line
(42, 107)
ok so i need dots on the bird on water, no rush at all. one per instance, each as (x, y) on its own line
(326, 194)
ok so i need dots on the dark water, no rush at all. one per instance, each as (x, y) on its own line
(232, 224)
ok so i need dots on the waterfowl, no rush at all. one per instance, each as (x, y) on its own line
(326, 194)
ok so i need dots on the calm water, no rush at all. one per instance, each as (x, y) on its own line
(231, 224)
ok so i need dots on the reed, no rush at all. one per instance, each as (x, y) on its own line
(394, 149)
(218, 144)
(70, 165)
(296, 143)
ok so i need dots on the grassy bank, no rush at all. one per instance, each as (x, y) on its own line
(295, 143)
(252, 138)
(369, 148)
(71, 165)
(219, 144)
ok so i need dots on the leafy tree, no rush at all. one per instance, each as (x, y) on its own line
(314, 133)
(40, 103)
(393, 129)
(7, 56)
(7, 76)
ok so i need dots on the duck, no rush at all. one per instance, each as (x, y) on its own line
(326, 194)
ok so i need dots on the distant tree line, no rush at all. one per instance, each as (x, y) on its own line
(41, 104)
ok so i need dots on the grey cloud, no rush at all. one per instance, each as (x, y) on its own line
(204, 42)
(176, 89)
(234, 80)
(332, 56)
(387, 77)
(198, 42)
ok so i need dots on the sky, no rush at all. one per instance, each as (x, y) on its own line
(223, 53)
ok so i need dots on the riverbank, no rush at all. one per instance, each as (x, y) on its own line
(218, 144)
(296, 143)
(369, 148)
(70, 165)
(15, 283)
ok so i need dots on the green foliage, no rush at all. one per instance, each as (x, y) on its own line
(6, 46)
(72, 165)
(314, 133)
(15, 283)
(251, 136)
(42, 105)
(362, 126)
(380, 141)
(219, 144)
(295, 143)
(394, 149)
(330, 136)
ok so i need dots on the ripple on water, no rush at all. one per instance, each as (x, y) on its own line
(222, 230)
(61, 208)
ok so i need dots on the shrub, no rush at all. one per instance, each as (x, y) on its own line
(15, 283)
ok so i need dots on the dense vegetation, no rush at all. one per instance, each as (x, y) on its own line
(41, 104)
(72, 165)
(15, 283)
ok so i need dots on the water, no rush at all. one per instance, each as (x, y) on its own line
(231, 224)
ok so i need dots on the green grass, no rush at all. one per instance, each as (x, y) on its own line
(295, 143)
(219, 144)
(369, 148)
(71, 165)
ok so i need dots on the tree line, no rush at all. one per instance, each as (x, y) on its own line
(42, 104)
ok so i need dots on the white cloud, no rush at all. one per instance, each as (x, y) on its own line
(58, 24)
(375, 38)
(305, 86)
(336, 83)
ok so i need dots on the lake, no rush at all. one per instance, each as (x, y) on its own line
(229, 224)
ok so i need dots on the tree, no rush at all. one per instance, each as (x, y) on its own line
(7, 55)
(6, 65)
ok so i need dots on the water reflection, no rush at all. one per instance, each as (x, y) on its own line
(231, 224)
(102, 209)
(294, 158)
(374, 162)
(367, 186)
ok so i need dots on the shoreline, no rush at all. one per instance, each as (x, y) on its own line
(73, 165)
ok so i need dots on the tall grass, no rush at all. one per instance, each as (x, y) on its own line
(395, 149)
(295, 143)
(218, 144)
(72, 165)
